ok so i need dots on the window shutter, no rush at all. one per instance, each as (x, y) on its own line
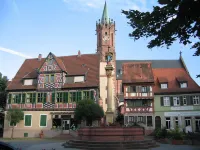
(79, 96)
(19, 98)
(92, 95)
(28, 120)
(34, 98)
(9, 98)
(181, 100)
(128, 89)
(66, 97)
(45, 98)
(43, 120)
(23, 98)
(53, 97)
(148, 89)
(171, 101)
(191, 100)
(161, 101)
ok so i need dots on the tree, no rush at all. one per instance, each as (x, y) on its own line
(120, 118)
(172, 20)
(14, 116)
(88, 110)
(3, 93)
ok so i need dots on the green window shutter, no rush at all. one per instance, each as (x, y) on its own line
(92, 95)
(181, 100)
(161, 101)
(34, 98)
(53, 97)
(79, 95)
(128, 89)
(44, 98)
(171, 101)
(28, 119)
(9, 98)
(23, 98)
(191, 100)
(43, 120)
(66, 94)
(19, 98)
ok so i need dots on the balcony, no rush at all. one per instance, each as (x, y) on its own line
(136, 95)
(142, 109)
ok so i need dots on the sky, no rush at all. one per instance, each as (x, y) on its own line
(32, 27)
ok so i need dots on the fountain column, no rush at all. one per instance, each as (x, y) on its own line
(109, 112)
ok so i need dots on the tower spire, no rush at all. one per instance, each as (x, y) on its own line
(105, 17)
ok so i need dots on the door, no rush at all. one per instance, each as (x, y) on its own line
(66, 126)
(157, 122)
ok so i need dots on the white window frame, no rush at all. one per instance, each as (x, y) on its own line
(10, 125)
(46, 120)
(78, 79)
(175, 99)
(163, 85)
(184, 100)
(166, 101)
(28, 81)
(183, 85)
(31, 119)
(195, 99)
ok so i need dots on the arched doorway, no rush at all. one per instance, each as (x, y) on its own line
(157, 122)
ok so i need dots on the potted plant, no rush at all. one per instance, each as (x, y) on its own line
(177, 137)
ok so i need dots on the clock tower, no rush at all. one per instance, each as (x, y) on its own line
(105, 31)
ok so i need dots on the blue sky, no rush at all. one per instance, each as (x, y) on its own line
(31, 27)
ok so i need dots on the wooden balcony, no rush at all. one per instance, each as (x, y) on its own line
(142, 109)
(139, 95)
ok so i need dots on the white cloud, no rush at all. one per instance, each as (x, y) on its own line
(14, 52)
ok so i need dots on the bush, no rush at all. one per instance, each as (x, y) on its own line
(176, 134)
(161, 133)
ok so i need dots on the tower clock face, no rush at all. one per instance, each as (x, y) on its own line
(106, 38)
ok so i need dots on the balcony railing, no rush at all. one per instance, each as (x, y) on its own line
(142, 109)
(138, 95)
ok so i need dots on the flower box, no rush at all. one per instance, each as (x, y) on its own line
(177, 142)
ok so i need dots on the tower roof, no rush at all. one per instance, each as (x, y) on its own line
(105, 17)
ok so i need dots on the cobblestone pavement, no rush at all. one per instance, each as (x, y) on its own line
(57, 145)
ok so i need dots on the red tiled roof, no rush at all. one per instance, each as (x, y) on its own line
(162, 79)
(136, 72)
(72, 64)
(171, 75)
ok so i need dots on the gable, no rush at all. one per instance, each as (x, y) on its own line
(50, 64)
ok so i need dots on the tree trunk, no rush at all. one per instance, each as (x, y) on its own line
(12, 132)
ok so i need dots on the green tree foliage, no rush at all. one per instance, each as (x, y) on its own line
(170, 21)
(120, 119)
(3, 93)
(14, 116)
(88, 110)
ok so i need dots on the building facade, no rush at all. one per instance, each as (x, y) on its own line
(153, 93)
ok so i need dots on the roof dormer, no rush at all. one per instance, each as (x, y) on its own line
(163, 82)
(183, 83)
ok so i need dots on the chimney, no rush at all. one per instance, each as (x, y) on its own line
(39, 57)
(79, 53)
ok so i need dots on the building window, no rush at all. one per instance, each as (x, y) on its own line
(28, 82)
(52, 78)
(184, 100)
(73, 96)
(28, 120)
(166, 101)
(195, 100)
(43, 120)
(163, 86)
(59, 97)
(86, 94)
(144, 89)
(41, 97)
(176, 121)
(12, 124)
(168, 122)
(149, 121)
(47, 79)
(140, 119)
(69, 80)
(16, 98)
(187, 121)
(176, 101)
(183, 85)
(132, 119)
(29, 97)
